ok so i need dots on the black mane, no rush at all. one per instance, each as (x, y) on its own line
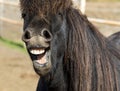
(91, 56)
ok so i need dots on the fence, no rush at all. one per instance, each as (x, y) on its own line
(11, 18)
(82, 4)
(3, 3)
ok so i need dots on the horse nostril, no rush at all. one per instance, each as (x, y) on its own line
(46, 34)
(26, 36)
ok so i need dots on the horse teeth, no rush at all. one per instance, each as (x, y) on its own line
(37, 52)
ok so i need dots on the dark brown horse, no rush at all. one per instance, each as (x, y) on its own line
(67, 51)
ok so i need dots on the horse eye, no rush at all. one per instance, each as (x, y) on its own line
(23, 15)
(60, 14)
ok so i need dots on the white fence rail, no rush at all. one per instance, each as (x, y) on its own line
(9, 3)
(10, 21)
(103, 21)
(82, 6)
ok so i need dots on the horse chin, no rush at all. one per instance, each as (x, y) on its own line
(41, 61)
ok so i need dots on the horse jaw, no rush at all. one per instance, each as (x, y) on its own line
(41, 61)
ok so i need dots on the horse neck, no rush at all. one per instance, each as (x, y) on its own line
(55, 81)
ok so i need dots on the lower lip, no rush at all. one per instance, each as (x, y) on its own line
(37, 65)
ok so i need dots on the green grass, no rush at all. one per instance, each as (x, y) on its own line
(12, 44)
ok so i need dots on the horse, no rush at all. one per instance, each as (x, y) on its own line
(67, 50)
(115, 39)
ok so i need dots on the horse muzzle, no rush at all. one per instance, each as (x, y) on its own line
(38, 47)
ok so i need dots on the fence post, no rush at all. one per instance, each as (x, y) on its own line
(1, 15)
(82, 6)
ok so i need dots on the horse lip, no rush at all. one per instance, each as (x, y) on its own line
(42, 67)
(38, 65)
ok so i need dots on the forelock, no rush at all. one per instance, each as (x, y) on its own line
(45, 6)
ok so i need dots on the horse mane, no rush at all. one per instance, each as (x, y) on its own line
(88, 58)
(45, 7)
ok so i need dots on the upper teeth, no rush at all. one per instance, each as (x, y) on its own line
(37, 52)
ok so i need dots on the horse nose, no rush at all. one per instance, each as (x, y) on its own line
(46, 34)
(27, 35)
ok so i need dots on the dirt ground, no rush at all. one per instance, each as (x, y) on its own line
(16, 71)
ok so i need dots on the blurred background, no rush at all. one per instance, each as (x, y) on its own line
(16, 71)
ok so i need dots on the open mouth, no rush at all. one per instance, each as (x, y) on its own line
(39, 56)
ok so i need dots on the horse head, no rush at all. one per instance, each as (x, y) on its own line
(44, 36)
